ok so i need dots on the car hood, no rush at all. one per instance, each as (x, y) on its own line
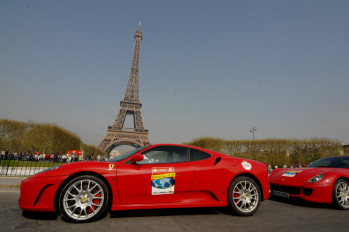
(295, 176)
(71, 168)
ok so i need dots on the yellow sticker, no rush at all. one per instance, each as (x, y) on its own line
(161, 176)
(111, 166)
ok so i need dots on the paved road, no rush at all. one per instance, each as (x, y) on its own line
(271, 216)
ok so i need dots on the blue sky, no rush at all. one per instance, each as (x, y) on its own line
(208, 68)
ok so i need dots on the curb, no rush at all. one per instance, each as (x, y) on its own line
(11, 183)
(10, 186)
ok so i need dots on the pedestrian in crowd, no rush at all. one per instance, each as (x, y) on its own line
(64, 158)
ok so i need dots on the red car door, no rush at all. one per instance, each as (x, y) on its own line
(165, 175)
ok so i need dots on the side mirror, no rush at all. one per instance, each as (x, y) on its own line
(303, 165)
(136, 158)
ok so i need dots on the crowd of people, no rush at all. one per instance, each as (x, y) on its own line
(40, 157)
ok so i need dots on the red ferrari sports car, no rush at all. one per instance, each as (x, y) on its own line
(325, 181)
(158, 176)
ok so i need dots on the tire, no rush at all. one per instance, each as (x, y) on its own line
(341, 194)
(244, 196)
(84, 199)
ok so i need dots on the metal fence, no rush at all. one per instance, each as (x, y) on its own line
(12, 167)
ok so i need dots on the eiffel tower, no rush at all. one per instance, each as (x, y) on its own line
(117, 134)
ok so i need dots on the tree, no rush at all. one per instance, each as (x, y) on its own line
(274, 151)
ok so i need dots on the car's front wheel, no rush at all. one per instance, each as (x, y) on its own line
(341, 194)
(244, 196)
(83, 199)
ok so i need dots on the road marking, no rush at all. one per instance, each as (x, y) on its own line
(8, 191)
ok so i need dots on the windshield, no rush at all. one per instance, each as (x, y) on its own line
(331, 162)
(125, 155)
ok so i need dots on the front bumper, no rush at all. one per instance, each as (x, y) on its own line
(321, 193)
(38, 194)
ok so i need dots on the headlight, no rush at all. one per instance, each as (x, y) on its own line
(316, 178)
(50, 169)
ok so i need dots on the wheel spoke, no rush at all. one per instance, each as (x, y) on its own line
(88, 185)
(96, 204)
(237, 203)
(72, 206)
(72, 211)
(97, 192)
(72, 194)
(93, 210)
(93, 187)
(76, 188)
(80, 213)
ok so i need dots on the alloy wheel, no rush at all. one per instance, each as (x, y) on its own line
(342, 194)
(83, 199)
(245, 196)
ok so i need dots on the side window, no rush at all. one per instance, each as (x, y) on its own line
(165, 154)
(345, 163)
(196, 155)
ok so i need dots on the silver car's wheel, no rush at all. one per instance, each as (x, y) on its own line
(84, 199)
(244, 196)
(341, 194)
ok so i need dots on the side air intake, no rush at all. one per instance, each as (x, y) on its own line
(217, 160)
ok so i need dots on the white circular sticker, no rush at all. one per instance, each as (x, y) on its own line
(246, 165)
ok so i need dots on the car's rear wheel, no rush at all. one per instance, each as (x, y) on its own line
(341, 194)
(83, 199)
(244, 196)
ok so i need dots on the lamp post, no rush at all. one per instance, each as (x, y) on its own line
(254, 146)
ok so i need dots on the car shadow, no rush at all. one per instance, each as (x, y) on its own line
(166, 212)
(300, 202)
(134, 213)
(40, 215)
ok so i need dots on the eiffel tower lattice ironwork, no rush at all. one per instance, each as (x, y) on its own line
(118, 134)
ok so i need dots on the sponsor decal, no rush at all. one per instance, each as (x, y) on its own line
(111, 166)
(163, 181)
(291, 173)
(246, 165)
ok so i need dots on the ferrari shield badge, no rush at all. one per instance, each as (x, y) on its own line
(111, 166)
